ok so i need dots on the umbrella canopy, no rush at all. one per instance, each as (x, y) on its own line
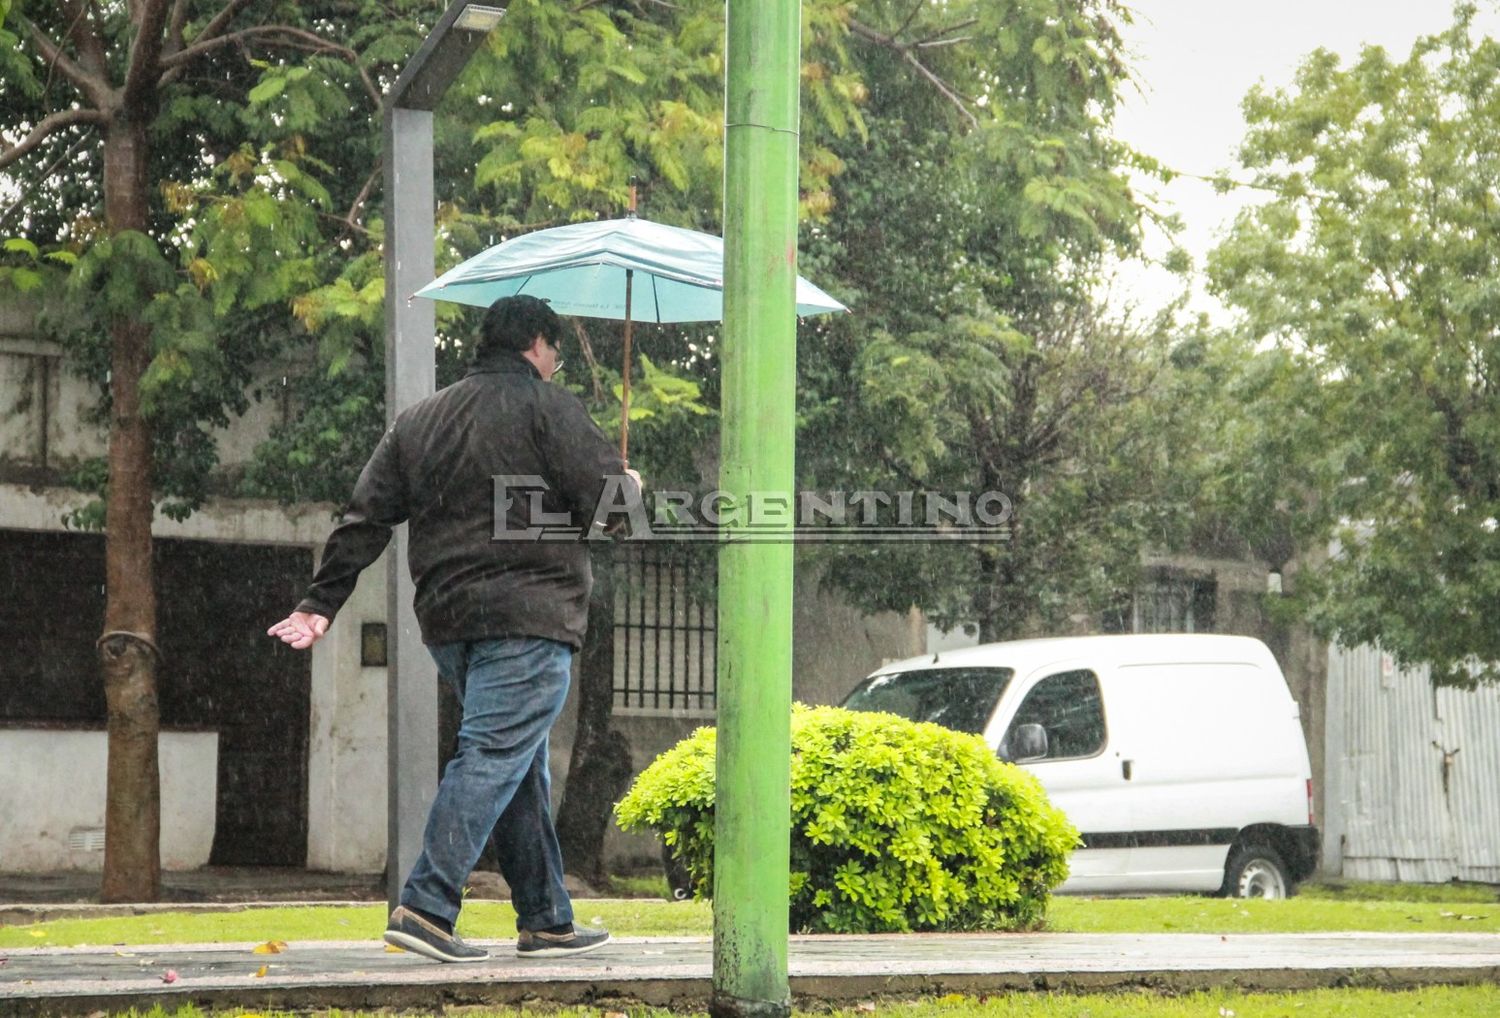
(581, 270)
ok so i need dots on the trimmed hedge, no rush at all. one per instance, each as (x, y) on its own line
(896, 826)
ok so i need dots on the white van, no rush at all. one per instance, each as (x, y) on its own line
(1180, 759)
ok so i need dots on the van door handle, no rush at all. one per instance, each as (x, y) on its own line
(1126, 766)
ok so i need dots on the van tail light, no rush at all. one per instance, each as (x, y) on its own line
(1312, 818)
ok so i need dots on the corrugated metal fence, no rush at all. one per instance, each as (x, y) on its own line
(1413, 774)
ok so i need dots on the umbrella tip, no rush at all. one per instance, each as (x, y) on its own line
(630, 209)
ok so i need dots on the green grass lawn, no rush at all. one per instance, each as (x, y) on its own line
(1295, 915)
(1344, 907)
(1365, 890)
(1439, 1002)
(1435, 1002)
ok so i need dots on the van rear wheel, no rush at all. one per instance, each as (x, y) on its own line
(1257, 871)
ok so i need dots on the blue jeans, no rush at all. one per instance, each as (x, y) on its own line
(512, 691)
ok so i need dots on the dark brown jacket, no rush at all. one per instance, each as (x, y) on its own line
(436, 467)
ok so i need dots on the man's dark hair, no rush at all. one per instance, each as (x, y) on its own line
(513, 323)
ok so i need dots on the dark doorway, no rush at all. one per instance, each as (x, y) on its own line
(221, 671)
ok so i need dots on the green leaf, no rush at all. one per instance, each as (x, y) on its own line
(271, 85)
(25, 280)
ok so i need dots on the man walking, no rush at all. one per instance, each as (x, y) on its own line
(501, 618)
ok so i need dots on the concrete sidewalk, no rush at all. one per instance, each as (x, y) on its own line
(675, 972)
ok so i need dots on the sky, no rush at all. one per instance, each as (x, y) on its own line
(1196, 60)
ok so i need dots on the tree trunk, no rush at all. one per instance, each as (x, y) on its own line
(986, 610)
(601, 765)
(1000, 602)
(127, 650)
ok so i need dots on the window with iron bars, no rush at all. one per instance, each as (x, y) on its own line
(665, 628)
(1167, 602)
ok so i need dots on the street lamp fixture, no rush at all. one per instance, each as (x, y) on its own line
(475, 18)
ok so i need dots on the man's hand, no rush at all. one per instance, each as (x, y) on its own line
(300, 630)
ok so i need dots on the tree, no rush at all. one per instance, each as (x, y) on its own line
(1369, 270)
(973, 235)
(174, 163)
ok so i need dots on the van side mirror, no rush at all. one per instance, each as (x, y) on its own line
(1025, 742)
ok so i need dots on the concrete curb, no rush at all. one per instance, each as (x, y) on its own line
(676, 972)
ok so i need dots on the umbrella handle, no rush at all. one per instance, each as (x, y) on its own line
(625, 388)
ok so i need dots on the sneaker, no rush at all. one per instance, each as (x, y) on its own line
(409, 931)
(577, 940)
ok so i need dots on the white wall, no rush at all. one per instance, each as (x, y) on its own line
(347, 730)
(346, 753)
(44, 423)
(54, 788)
(45, 407)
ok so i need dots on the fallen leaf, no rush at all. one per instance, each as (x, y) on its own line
(124, 954)
(393, 949)
(260, 973)
(37, 933)
(169, 976)
(270, 947)
(615, 1014)
(1225, 1012)
(866, 1005)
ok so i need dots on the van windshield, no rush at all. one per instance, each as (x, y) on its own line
(959, 698)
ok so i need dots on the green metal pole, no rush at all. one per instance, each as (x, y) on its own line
(753, 810)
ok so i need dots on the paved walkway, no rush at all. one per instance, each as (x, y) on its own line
(675, 972)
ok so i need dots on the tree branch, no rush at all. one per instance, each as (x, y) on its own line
(220, 21)
(927, 40)
(95, 88)
(177, 25)
(84, 31)
(20, 202)
(145, 52)
(907, 52)
(47, 126)
(174, 64)
(934, 44)
(589, 359)
(911, 16)
(361, 198)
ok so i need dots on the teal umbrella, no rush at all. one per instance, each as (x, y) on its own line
(627, 270)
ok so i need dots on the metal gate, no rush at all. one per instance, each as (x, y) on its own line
(1413, 774)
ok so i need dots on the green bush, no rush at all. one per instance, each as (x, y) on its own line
(896, 826)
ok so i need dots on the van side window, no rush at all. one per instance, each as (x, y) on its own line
(1069, 707)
